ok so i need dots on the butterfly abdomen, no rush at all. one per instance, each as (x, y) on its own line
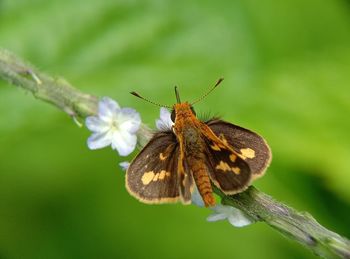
(203, 183)
(194, 146)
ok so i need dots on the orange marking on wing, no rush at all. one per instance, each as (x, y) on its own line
(233, 157)
(215, 147)
(147, 177)
(236, 170)
(247, 153)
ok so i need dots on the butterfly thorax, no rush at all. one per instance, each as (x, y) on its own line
(189, 132)
(187, 129)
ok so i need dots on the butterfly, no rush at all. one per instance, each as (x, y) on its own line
(196, 153)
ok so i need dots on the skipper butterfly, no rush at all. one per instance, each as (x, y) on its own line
(195, 152)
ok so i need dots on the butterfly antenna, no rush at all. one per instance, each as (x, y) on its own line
(210, 90)
(143, 98)
(177, 95)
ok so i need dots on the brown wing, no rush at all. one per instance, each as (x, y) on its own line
(186, 182)
(226, 169)
(152, 175)
(252, 147)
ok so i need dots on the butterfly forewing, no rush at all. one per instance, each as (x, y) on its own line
(152, 175)
(251, 147)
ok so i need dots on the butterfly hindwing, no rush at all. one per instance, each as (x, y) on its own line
(226, 169)
(251, 147)
(152, 175)
(186, 182)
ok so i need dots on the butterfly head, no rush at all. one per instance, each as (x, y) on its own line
(184, 110)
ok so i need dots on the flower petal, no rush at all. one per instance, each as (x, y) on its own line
(99, 140)
(164, 121)
(107, 108)
(197, 198)
(239, 219)
(114, 125)
(129, 120)
(235, 216)
(124, 142)
(94, 124)
(216, 216)
(124, 165)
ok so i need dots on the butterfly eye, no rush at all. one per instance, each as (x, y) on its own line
(193, 111)
(173, 116)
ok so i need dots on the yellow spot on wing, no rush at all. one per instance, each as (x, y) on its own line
(223, 166)
(233, 157)
(156, 177)
(222, 137)
(147, 177)
(215, 147)
(161, 175)
(236, 170)
(247, 153)
(162, 157)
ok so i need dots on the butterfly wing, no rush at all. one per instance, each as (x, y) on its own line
(152, 175)
(226, 169)
(186, 181)
(251, 147)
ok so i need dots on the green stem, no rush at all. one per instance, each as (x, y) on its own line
(299, 226)
(258, 206)
(56, 91)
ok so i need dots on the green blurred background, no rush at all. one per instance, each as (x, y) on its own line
(287, 73)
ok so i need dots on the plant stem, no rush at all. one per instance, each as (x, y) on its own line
(56, 91)
(258, 206)
(300, 226)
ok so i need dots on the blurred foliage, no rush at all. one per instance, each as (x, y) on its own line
(287, 74)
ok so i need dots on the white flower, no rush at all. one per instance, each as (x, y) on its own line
(113, 126)
(164, 122)
(124, 165)
(197, 198)
(235, 216)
